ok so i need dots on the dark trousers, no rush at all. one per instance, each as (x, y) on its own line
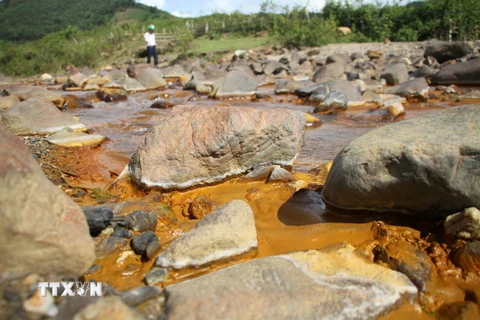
(152, 51)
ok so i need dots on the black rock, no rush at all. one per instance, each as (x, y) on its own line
(141, 221)
(152, 248)
(98, 218)
(139, 243)
(122, 233)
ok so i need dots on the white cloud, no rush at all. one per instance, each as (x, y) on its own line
(181, 14)
(153, 3)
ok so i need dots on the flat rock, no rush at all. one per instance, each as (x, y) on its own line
(226, 232)
(205, 144)
(128, 84)
(332, 283)
(469, 95)
(237, 84)
(412, 89)
(426, 167)
(151, 78)
(69, 138)
(43, 230)
(465, 73)
(37, 116)
(24, 92)
(444, 51)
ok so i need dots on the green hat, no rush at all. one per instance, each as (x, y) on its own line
(151, 27)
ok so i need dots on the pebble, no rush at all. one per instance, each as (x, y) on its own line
(41, 305)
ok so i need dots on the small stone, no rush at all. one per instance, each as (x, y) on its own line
(201, 206)
(139, 295)
(449, 90)
(464, 225)
(122, 233)
(153, 247)
(155, 276)
(139, 243)
(41, 305)
(109, 245)
(141, 221)
(162, 104)
(98, 218)
(280, 175)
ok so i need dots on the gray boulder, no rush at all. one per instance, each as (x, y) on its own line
(426, 167)
(128, 84)
(465, 73)
(332, 283)
(395, 74)
(334, 101)
(226, 232)
(24, 92)
(37, 116)
(42, 230)
(290, 86)
(237, 84)
(331, 71)
(151, 78)
(412, 89)
(205, 144)
(444, 51)
(348, 88)
(273, 67)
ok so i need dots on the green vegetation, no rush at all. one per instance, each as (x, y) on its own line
(39, 36)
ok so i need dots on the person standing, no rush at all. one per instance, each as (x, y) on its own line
(149, 37)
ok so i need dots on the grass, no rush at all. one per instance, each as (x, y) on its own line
(207, 45)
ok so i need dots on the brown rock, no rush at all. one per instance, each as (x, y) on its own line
(201, 206)
(468, 257)
(111, 94)
(74, 102)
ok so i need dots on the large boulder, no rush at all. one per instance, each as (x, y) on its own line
(444, 51)
(224, 233)
(332, 283)
(426, 167)
(395, 74)
(237, 84)
(42, 229)
(331, 71)
(37, 116)
(202, 144)
(151, 78)
(466, 73)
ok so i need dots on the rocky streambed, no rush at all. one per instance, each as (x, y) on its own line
(334, 182)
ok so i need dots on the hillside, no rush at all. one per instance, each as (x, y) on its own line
(26, 20)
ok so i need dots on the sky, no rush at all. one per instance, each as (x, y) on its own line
(195, 8)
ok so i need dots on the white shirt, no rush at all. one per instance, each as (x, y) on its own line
(150, 39)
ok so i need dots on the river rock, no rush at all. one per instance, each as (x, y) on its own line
(44, 306)
(331, 71)
(111, 94)
(339, 57)
(204, 144)
(78, 79)
(464, 225)
(273, 67)
(348, 88)
(201, 206)
(69, 138)
(226, 232)
(444, 51)
(43, 230)
(8, 101)
(111, 307)
(305, 207)
(332, 283)
(128, 84)
(334, 101)
(24, 92)
(424, 167)
(412, 89)
(465, 73)
(139, 295)
(423, 72)
(98, 218)
(151, 78)
(75, 102)
(468, 257)
(237, 84)
(280, 175)
(141, 221)
(37, 116)
(109, 245)
(469, 95)
(141, 242)
(289, 86)
(395, 74)
(176, 71)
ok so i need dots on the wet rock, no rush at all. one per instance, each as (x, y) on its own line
(78, 79)
(451, 90)
(303, 208)
(98, 218)
(469, 95)
(407, 259)
(418, 167)
(468, 257)
(237, 84)
(306, 91)
(153, 247)
(260, 173)
(137, 296)
(226, 232)
(127, 84)
(348, 88)
(289, 86)
(74, 102)
(24, 92)
(122, 233)
(461, 310)
(176, 71)
(201, 206)
(393, 109)
(280, 175)
(69, 138)
(464, 225)
(46, 231)
(334, 101)
(111, 94)
(203, 88)
(44, 306)
(320, 93)
(141, 221)
(444, 51)
(108, 308)
(156, 276)
(332, 283)
(465, 73)
(224, 142)
(395, 74)
(109, 245)
(162, 104)
(139, 243)
(8, 101)
(331, 71)
(35, 116)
